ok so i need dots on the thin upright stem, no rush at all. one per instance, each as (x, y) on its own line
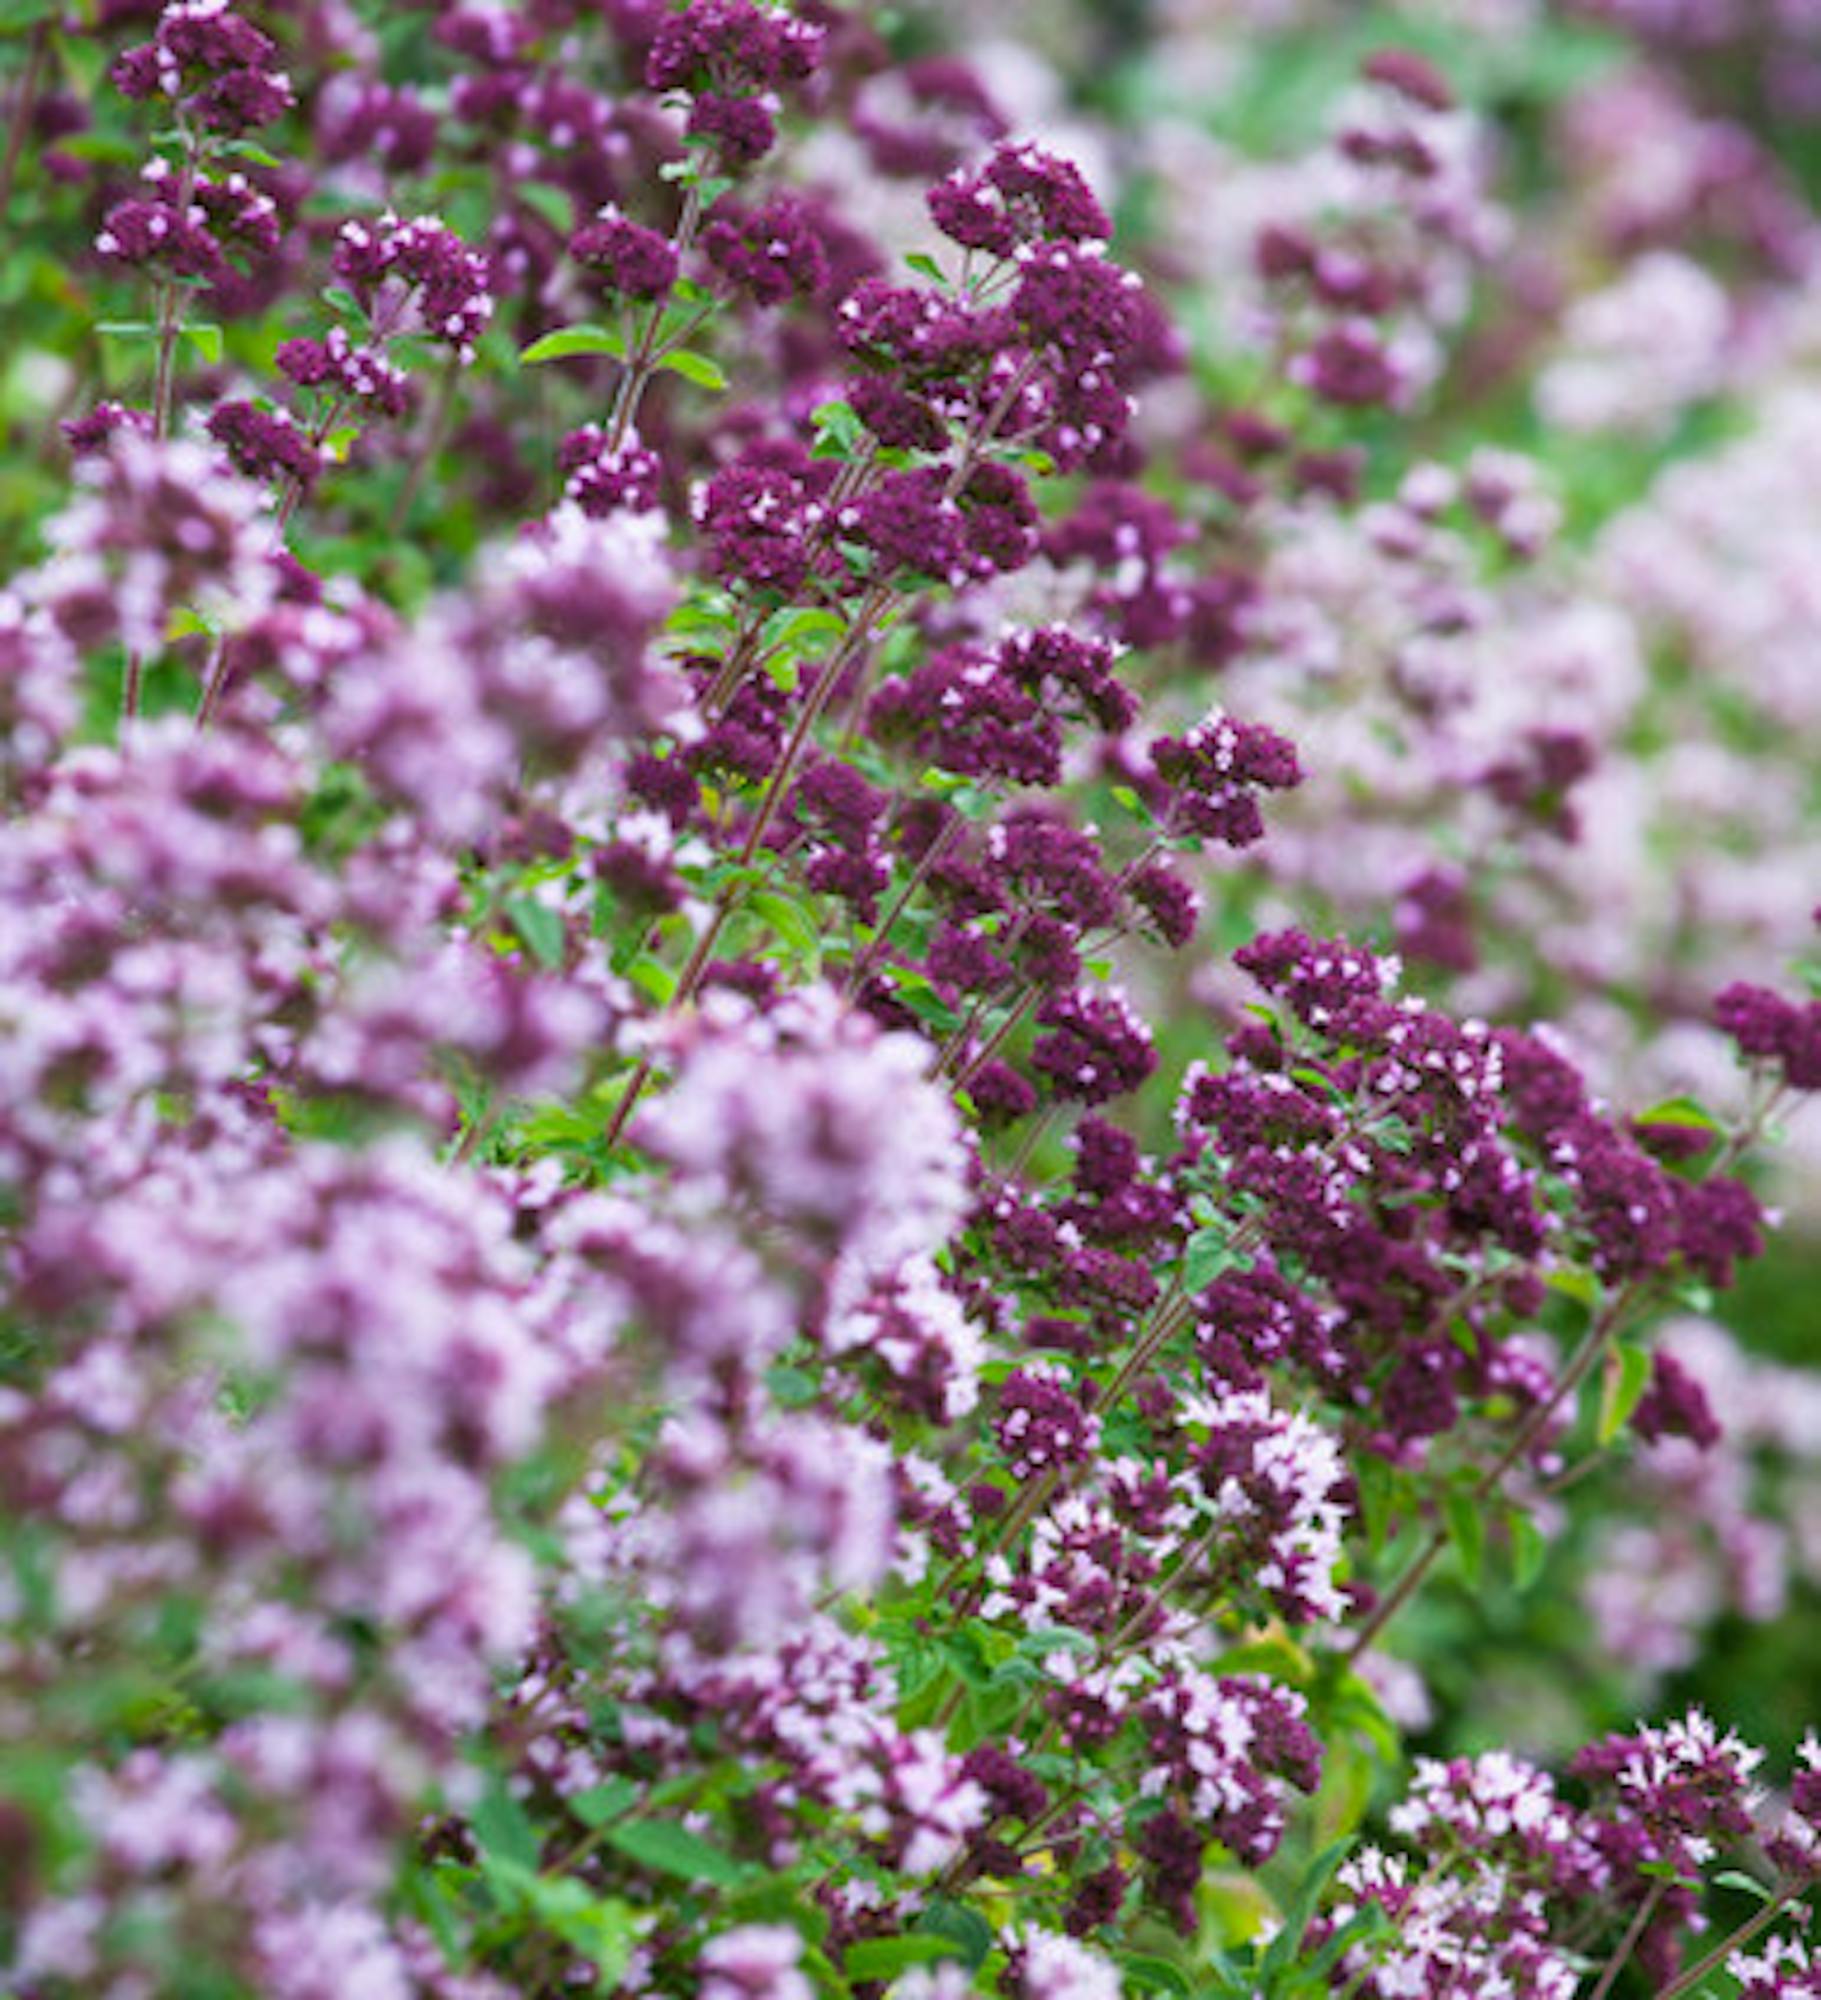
(1599, 1336)
(859, 634)
(19, 120)
(687, 982)
(434, 432)
(880, 942)
(1634, 1930)
(641, 363)
(215, 677)
(170, 307)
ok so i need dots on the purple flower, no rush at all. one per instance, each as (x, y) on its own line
(769, 254)
(635, 262)
(1021, 195)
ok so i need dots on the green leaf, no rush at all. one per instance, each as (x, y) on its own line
(1377, 1494)
(1048, 1639)
(569, 341)
(926, 266)
(803, 623)
(1234, 1906)
(839, 431)
(1274, 1654)
(1205, 1256)
(1346, 1790)
(126, 329)
(795, 1388)
(653, 978)
(693, 367)
(1301, 1908)
(1529, 1551)
(598, 1804)
(1624, 1376)
(244, 149)
(795, 924)
(884, 1958)
(969, 1929)
(1467, 1527)
(601, 1928)
(207, 339)
(1154, 1975)
(549, 203)
(541, 929)
(1687, 1112)
(504, 1829)
(1746, 1885)
(669, 1849)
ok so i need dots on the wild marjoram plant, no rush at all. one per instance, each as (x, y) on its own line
(622, 1367)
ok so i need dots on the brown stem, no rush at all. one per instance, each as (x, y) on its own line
(434, 432)
(1599, 1337)
(998, 1038)
(170, 308)
(1686, 1982)
(687, 982)
(215, 677)
(296, 488)
(641, 363)
(881, 939)
(859, 633)
(1634, 1930)
(1033, 1138)
(133, 687)
(740, 656)
(19, 122)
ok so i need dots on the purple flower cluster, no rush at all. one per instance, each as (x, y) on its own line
(602, 1299)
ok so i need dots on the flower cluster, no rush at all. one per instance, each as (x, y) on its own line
(738, 1254)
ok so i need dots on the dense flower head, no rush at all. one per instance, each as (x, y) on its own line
(1273, 1481)
(1767, 1027)
(959, 710)
(1685, 1787)
(1040, 1421)
(761, 515)
(1096, 1046)
(732, 46)
(1216, 770)
(634, 261)
(1022, 194)
(1218, 1745)
(215, 67)
(835, 1132)
(159, 527)
(768, 254)
(416, 275)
